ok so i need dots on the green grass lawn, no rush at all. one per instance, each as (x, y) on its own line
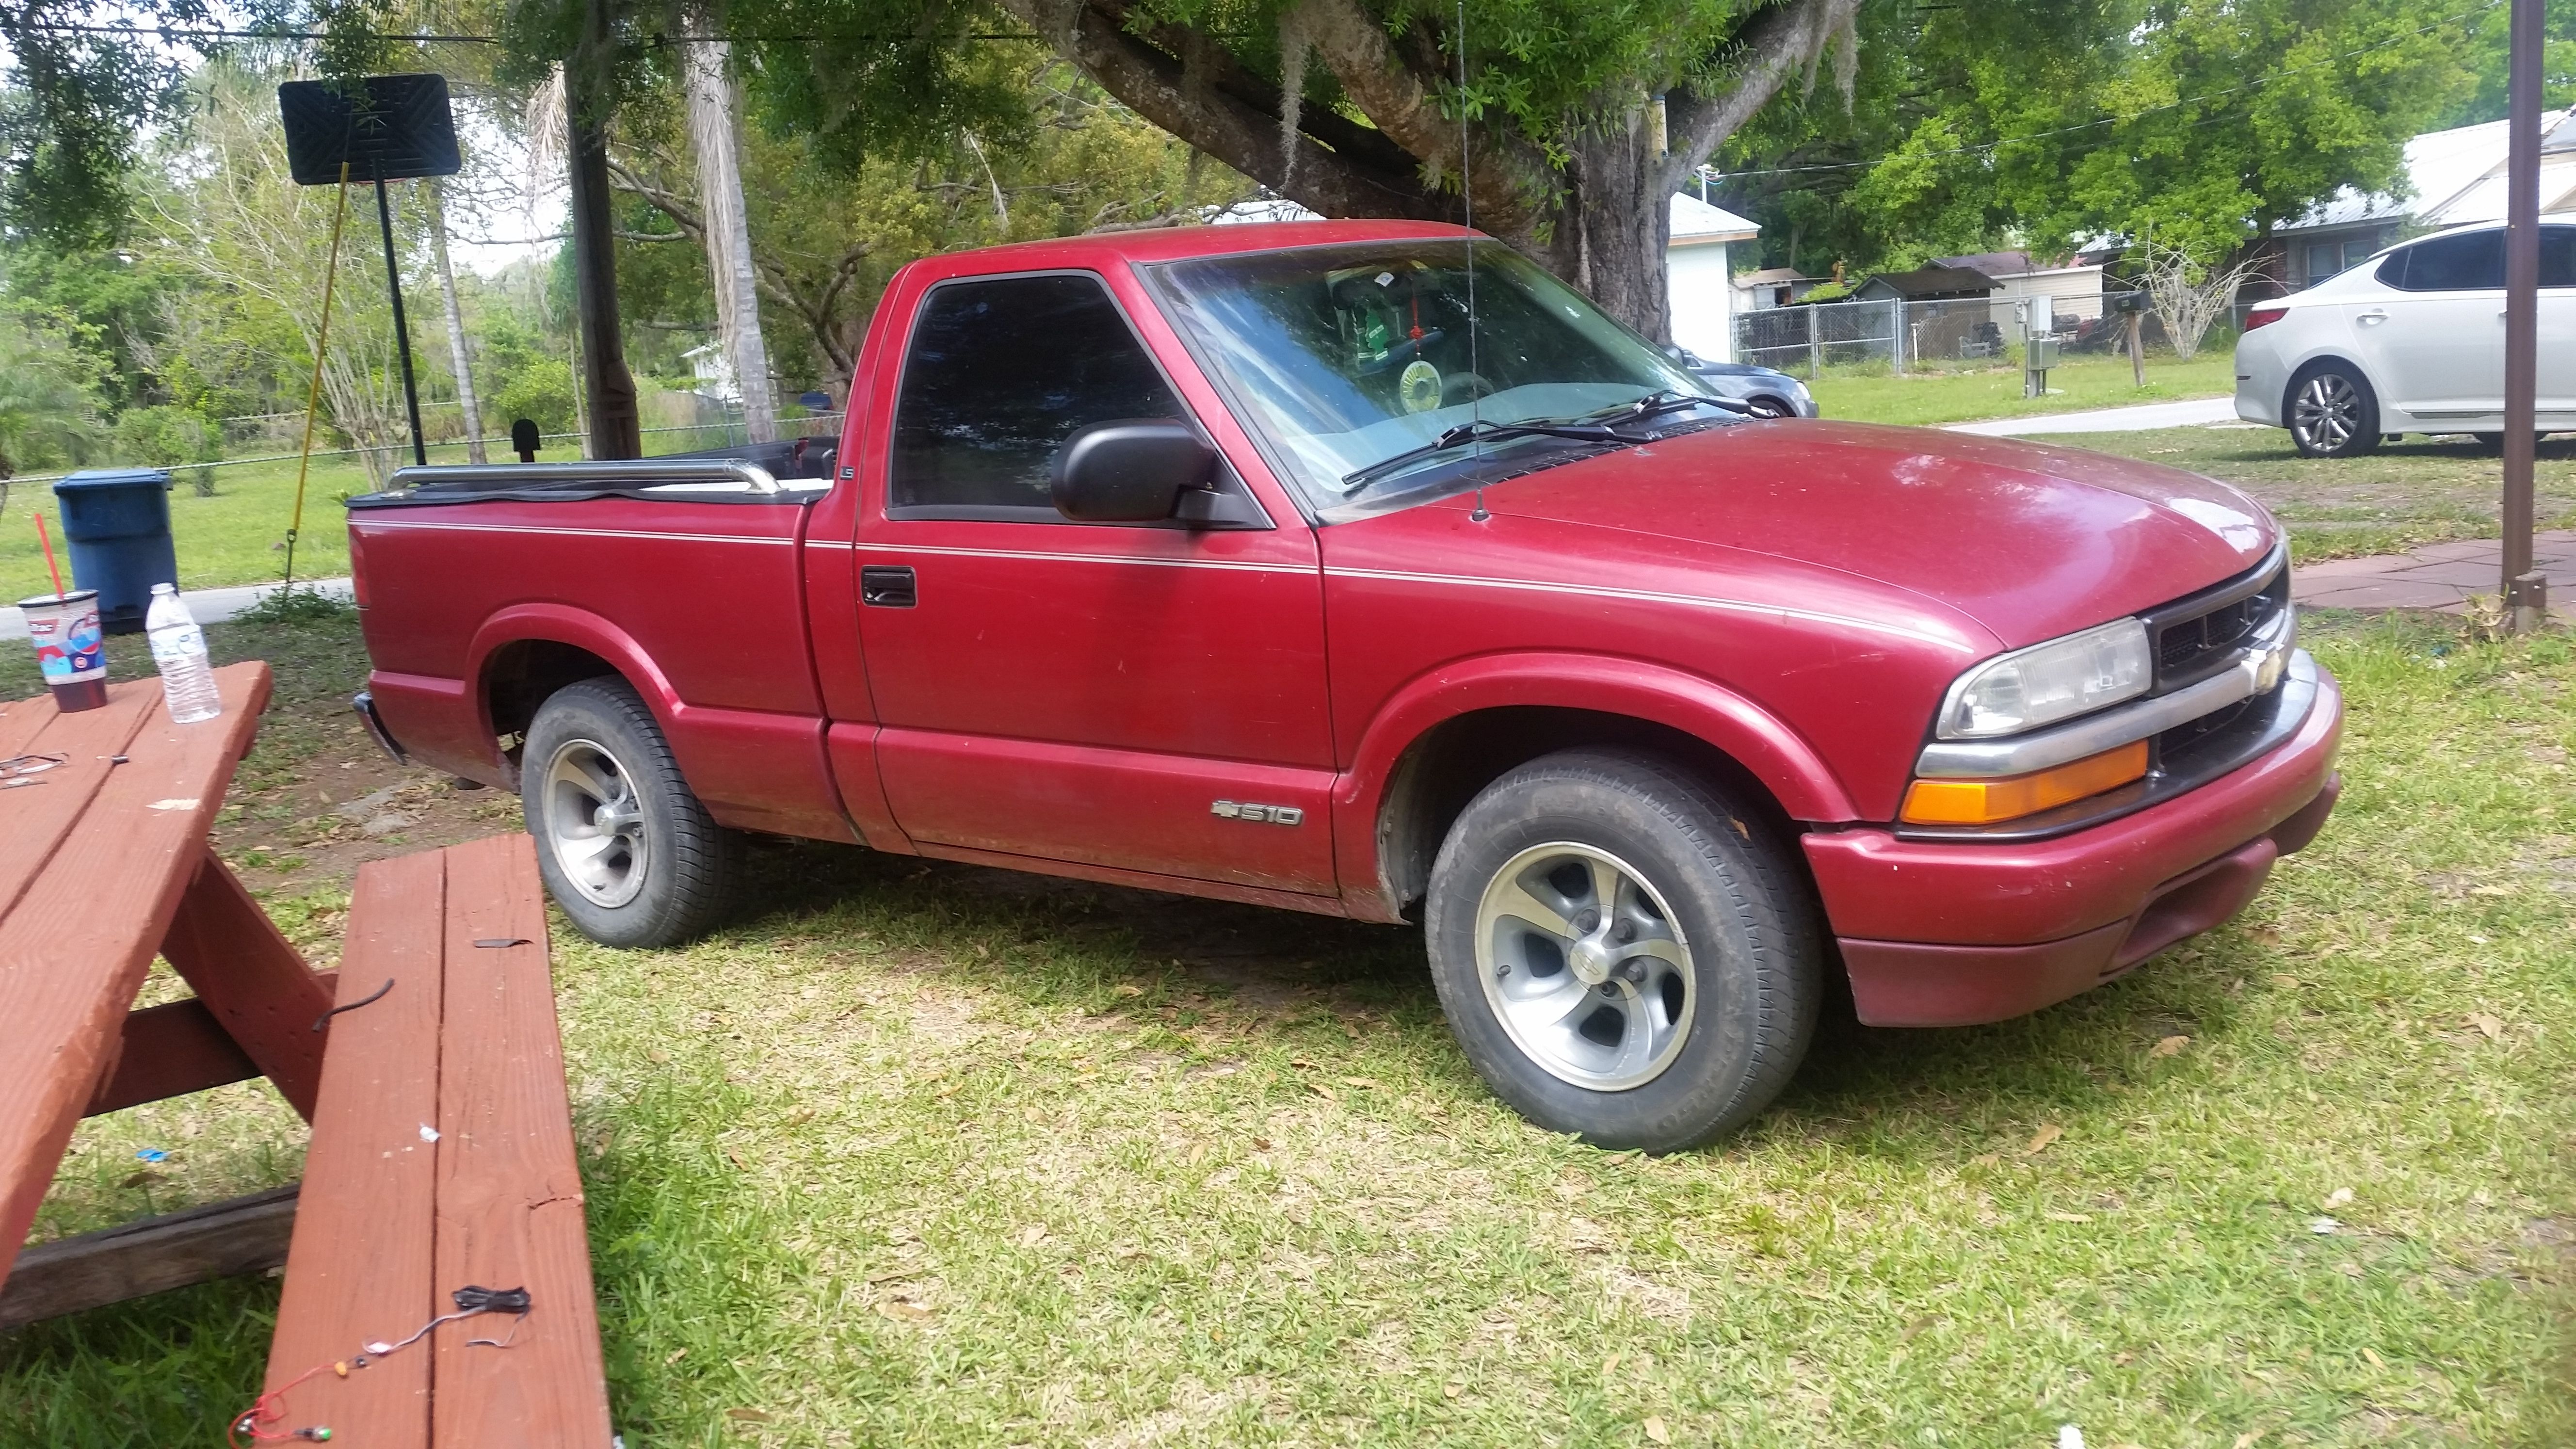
(926, 1155)
(2403, 496)
(238, 536)
(1928, 398)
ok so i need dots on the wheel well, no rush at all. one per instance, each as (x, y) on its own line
(1442, 771)
(2300, 374)
(520, 675)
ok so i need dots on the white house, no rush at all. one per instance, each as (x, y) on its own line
(1697, 278)
(2453, 176)
(2074, 291)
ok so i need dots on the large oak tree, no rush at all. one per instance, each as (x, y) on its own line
(1575, 121)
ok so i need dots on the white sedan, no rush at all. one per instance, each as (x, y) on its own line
(2410, 341)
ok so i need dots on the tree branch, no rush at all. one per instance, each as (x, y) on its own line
(1511, 194)
(1149, 81)
(1774, 45)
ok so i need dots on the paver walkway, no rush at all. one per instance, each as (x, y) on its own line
(2138, 417)
(2437, 576)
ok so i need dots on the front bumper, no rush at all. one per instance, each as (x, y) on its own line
(1944, 933)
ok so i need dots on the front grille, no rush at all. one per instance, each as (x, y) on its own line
(2195, 645)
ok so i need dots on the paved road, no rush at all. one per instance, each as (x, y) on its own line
(2199, 412)
(211, 606)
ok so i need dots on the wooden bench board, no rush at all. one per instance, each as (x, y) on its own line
(391, 1223)
(155, 1255)
(359, 1267)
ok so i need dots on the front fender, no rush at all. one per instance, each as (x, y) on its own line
(1763, 744)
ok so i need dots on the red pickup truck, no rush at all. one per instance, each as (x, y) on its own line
(1364, 568)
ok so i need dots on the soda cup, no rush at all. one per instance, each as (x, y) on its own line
(69, 647)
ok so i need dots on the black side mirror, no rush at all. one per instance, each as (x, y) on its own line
(1130, 471)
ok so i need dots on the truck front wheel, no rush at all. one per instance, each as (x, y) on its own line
(626, 850)
(1623, 953)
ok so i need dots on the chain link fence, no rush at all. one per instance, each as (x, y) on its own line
(1899, 336)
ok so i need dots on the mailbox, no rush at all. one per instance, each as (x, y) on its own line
(2039, 354)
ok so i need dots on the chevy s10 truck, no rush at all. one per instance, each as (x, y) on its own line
(1364, 568)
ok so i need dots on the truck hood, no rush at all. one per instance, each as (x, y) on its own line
(2029, 540)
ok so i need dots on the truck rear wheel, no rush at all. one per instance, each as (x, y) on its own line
(1624, 954)
(625, 848)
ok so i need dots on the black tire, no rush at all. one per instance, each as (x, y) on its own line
(1770, 407)
(664, 881)
(2331, 411)
(1730, 892)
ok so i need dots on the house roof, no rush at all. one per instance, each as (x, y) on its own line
(1927, 282)
(1696, 223)
(1773, 277)
(2448, 174)
(1993, 264)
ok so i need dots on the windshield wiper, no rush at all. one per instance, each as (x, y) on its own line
(1656, 404)
(1477, 432)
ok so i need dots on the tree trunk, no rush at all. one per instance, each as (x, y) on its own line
(459, 359)
(1617, 221)
(615, 429)
(718, 151)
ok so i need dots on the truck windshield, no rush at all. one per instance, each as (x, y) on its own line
(1358, 365)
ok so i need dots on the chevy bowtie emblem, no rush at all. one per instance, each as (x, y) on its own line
(1263, 814)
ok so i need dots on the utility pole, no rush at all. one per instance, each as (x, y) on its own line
(2526, 590)
(589, 90)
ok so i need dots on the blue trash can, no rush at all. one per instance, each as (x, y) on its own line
(117, 522)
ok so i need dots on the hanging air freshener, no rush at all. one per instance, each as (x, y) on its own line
(1419, 386)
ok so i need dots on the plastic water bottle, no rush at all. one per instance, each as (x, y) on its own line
(179, 651)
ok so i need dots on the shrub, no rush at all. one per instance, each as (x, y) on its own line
(539, 390)
(167, 436)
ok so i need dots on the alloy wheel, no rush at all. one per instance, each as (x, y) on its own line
(595, 823)
(1584, 966)
(2327, 413)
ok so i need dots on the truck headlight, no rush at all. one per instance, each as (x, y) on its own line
(2049, 682)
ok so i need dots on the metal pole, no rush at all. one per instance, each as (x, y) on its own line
(402, 333)
(1896, 331)
(1815, 343)
(2525, 590)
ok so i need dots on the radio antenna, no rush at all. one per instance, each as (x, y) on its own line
(1467, 208)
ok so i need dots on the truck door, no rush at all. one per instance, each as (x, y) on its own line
(1146, 698)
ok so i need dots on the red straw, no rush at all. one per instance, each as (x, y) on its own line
(50, 566)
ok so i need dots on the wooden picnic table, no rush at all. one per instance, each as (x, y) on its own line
(105, 863)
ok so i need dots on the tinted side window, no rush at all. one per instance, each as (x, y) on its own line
(1001, 372)
(2558, 256)
(2473, 261)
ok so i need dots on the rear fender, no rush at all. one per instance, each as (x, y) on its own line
(1766, 747)
(753, 769)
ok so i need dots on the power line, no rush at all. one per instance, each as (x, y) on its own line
(1987, 146)
(186, 32)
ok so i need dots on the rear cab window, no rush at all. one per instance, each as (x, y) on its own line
(999, 372)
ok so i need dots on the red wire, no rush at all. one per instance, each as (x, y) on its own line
(268, 1408)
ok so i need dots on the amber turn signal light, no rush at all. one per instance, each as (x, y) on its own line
(1983, 802)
